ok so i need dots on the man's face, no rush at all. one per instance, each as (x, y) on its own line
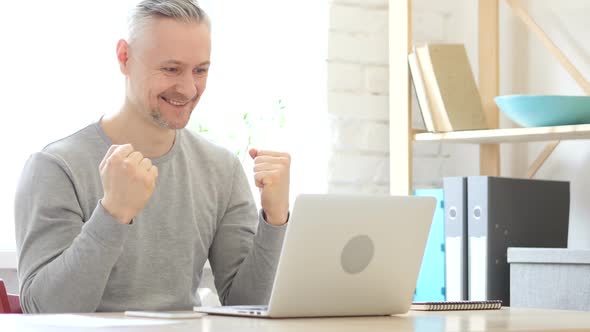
(167, 70)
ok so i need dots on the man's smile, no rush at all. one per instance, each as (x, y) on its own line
(175, 102)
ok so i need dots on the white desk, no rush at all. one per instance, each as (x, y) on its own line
(495, 320)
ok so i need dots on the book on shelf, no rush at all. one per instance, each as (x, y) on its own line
(456, 305)
(445, 88)
(420, 91)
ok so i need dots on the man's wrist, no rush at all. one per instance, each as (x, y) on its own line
(276, 220)
(121, 218)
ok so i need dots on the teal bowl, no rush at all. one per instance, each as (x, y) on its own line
(541, 111)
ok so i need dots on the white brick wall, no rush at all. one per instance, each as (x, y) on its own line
(358, 83)
(354, 18)
(368, 4)
(355, 135)
(362, 107)
(364, 168)
(344, 77)
(360, 48)
(377, 80)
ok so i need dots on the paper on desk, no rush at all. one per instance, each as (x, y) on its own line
(69, 320)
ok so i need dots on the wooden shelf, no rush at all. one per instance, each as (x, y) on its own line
(508, 135)
(401, 134)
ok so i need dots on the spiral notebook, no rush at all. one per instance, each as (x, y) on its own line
(457, 305)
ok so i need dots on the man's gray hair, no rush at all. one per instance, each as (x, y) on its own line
(182, 10)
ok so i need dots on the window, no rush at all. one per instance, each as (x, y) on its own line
(266, 84)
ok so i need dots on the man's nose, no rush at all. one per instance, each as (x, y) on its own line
(187, 85)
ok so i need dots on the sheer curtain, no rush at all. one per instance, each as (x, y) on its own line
(60, 73)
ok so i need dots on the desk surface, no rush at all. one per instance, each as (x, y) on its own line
(494, 320)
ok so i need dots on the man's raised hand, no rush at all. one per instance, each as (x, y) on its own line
(271, 175)
(128, 181)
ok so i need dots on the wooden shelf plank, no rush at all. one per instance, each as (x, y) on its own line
(509, 135)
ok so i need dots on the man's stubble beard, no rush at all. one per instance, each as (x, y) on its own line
(156, 116)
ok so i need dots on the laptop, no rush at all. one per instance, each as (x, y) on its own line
(346, 255)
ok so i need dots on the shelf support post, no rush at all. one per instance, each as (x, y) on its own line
(489, 80)
(400, 113)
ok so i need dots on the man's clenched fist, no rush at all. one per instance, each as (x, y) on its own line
(128, 181)
(271, 174)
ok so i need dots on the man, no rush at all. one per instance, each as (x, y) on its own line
(124, 213)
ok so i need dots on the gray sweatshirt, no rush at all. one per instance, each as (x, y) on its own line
(73, 256)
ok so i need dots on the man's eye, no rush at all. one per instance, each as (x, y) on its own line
(201, 71)
(170, 70)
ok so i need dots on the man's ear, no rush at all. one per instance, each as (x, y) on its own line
(123, 56)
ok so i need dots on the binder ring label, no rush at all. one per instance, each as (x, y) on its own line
(453, 213)
(477, 212)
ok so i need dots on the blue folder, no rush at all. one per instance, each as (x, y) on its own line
(431, 279)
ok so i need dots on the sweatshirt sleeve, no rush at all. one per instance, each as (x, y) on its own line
(64, 261)
(245, 249)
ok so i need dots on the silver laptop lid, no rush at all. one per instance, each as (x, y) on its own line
(349, 255)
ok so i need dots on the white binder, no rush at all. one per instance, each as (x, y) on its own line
(455, 205)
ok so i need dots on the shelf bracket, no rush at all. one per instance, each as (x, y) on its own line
(541, 158)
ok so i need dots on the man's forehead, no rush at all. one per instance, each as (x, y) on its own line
(181, 63)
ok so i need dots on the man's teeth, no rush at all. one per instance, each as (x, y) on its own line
(176, 103)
